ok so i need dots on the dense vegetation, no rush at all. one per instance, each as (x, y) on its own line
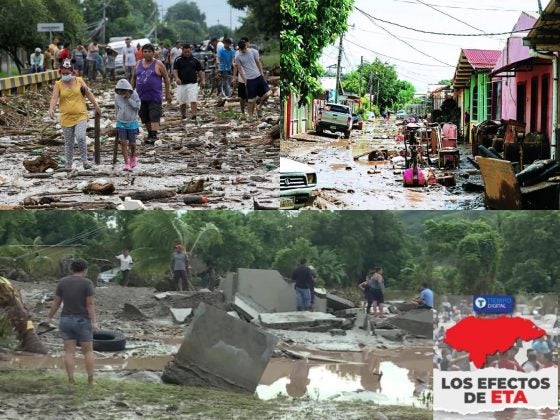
(457, 252)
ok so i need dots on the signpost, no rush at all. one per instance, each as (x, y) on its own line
(50, 28)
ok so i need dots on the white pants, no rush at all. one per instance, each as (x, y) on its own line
(187, 93)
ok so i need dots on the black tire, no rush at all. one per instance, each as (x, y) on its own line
(319, 131)
(105, 340)
(347, 134)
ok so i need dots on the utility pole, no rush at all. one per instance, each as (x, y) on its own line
(360, 78)
(104, 24)
(371, 90)
(377, 93)
(157, 19)
(540, 7)
(338, 69)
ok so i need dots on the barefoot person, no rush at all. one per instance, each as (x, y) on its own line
(69, 93)
(77, 321)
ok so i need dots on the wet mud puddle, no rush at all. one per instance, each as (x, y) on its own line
(400, 377)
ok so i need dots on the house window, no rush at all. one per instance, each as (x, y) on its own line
(544, 102)
(521, 98)
(534, 103)
(475, 104)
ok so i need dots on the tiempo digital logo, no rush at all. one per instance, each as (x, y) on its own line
(489, 304)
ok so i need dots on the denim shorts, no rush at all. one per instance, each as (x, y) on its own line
(75, 327)
(127, 134)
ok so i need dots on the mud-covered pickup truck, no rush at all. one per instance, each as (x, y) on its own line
(334, 117)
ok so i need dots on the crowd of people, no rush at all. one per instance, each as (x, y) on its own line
(147, 82)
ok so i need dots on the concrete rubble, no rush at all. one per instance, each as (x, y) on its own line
(180, 315)
(416, 322)
(301, 321)
(222, 352)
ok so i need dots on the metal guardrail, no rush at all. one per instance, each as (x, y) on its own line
(21, 83)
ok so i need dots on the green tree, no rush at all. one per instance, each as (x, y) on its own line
(307, 28)
(330, 268)
(478, 262)
(185, 11)
(218, 31)
(18, 24)
(262, 18)
(287, 258)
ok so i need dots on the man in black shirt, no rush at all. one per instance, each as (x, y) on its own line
(187, 71)
(303, 278)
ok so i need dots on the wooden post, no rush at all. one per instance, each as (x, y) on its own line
(97, 143)
(115, 148)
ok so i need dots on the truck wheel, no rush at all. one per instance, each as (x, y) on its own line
(347, 134)
(105, 340)
(319, 131)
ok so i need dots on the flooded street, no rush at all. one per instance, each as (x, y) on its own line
(222, 156)
(348, 180)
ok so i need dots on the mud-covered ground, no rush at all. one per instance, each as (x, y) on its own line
(341, 372)
(348, 183)
(223, 156)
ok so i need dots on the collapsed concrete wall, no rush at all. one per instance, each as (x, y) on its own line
(221, 352)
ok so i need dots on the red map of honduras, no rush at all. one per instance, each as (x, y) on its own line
(482, 337)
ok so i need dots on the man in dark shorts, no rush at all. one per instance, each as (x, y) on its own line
(147, 78)
(251, 73)
(77, 321)
(179, 267)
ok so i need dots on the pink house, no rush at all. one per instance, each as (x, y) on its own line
(522, 83)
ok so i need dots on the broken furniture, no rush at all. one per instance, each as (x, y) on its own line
(503, 192)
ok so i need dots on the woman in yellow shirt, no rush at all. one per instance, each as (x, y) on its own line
(69, 92)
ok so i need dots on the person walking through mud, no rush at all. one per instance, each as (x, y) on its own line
(179, 266)
(303, 279)
(77, 320)
(91, 58)
(69, 93)
(127, 104)
(188, 74)
(129, 59)
(251, 73)
(126, 263)
(147, 79)
(225, 58)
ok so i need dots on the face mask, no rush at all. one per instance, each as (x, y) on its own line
(66, 77)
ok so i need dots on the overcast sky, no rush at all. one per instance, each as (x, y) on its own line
(490, 16)
(216, 11)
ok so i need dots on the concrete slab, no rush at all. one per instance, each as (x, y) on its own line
(417, 322)
(226, 285)
(393, 335)
(320, 303)
(234, 314)
(349, 313)
(180, 315)
(267, 288)
(132, 313)
(221, 352)
(161, 296)
(302, 321)
(246, 307)
(337, 303)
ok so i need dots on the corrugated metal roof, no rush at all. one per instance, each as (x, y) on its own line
(545, 34)
(482, 59)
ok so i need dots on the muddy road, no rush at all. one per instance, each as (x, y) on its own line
(355, 367)
(222, 156)
(348, 180)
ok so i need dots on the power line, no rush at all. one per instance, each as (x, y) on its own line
(448, 15)
(465, 8)
(413, 39)
(372, 18)
(393, 58)
(403, 41)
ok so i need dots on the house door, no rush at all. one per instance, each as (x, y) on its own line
(534, 103)
(521, 98)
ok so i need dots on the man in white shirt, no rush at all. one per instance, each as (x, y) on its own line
(126, 264)
(129, 59)
(175, 52)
